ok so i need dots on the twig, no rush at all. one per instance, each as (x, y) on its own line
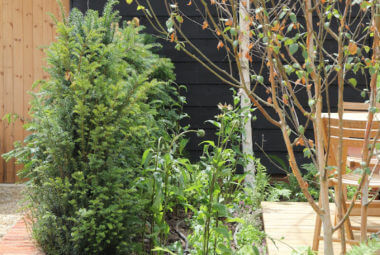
(182, 236)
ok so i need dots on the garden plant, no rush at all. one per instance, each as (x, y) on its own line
(105, 161)
(306, 51)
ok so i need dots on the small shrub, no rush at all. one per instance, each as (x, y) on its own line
(291, 191)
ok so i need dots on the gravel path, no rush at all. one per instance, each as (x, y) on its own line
(10, 196)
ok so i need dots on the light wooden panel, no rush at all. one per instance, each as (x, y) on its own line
(290, 225)
(26, 30)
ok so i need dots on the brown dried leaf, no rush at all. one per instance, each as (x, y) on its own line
(352, 48)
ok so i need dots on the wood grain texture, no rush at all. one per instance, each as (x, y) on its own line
(8, 62)
(291, 226)
(25, 28)
(2, 71)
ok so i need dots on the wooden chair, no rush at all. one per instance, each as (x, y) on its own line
(353, 139)
(356, 107)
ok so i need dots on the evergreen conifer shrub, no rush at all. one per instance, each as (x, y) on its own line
(108, 98)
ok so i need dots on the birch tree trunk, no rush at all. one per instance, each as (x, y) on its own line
(245, 102)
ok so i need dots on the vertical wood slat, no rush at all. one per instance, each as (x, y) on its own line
(25, 29)
(2, 71)
(18, 73)
(28, 57)
(8, 59)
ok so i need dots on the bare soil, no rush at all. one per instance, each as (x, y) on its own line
(10, 203)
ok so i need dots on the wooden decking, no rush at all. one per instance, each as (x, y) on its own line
(291, 225)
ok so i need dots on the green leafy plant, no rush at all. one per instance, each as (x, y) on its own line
(108, 98)
(218, 214)
(291, 191)
(369, 248)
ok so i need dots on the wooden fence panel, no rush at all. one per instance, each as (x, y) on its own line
(25, 31)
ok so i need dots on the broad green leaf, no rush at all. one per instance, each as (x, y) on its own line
(293, 48)
(260, 79)
(353, 82)
(223, 231)
(129, 1)
(293, 17)
(164, 250)
(301, 129)
(146, 155)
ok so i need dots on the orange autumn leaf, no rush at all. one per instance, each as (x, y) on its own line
(303, 81)
(267, 91)
(228, 22)
(205, 25)
(250, 46)
(249, 57)
(311, 143)
(172, 37)
(276, 27)
(244, 3)
(300, 142)
(323, 1)
(352, 48)
(220, 45)
(217, 32)
(212, 1)
(189, 3)
(285, 99)
(269, 100)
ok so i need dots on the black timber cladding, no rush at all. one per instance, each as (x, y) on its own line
(205, 91)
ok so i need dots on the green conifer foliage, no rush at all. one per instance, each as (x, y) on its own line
(108, 98)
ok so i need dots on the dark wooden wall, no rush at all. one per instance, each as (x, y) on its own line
(205, 91)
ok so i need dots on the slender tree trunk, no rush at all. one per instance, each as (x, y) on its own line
(247, 142)
(366, 155)
(318, 125)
